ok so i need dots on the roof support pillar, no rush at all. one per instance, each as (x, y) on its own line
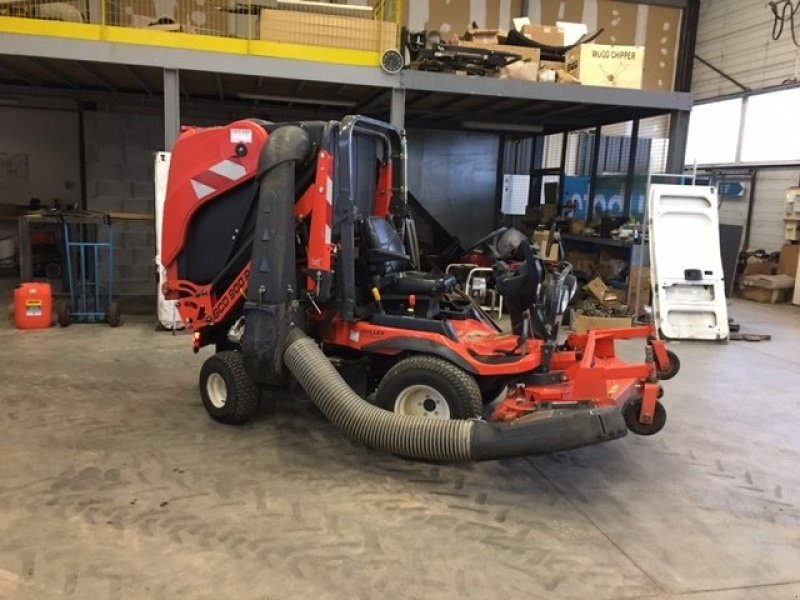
(397, 109)
(172, 107)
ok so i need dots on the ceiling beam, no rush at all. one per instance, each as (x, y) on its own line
(139, 79)
(94, 75)
(373, 99)
(52, 73)
(16, 75)
(220, 87)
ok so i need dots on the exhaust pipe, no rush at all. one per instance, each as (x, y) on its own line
(436, 439)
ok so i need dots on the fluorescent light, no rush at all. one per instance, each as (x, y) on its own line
(296, 100)
(502, 127)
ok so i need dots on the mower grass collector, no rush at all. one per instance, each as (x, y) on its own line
(290, 248)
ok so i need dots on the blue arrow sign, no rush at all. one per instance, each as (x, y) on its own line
(731, 189)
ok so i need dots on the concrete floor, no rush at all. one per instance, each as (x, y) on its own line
(115, 484)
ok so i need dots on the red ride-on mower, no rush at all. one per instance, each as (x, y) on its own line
(290, 248)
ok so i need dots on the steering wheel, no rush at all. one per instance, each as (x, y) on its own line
(485, 239)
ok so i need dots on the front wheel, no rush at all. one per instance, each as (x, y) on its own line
(228, 393)
(631, 413)
(427, 386)
(674, 367)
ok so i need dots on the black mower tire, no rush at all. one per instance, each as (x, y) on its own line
(456, 387)
(229, 395)
(674, 367)
(63, 315)
(631, 412)
(113, 316)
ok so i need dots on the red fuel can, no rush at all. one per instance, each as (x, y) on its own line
(33, 306)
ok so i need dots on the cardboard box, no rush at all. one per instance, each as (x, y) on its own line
(787, 264)
(529, 54)
(314, 29)
(581, 323)
(540, 237)
(791, 232)
(765, 296)
(609, 66)
(243, 25)
(482, 36)
(548, 35)
(190, 17)
(521, 71)
(640, 279)
(458, 15)
(759, 268)
(768, 282)
(608, 296)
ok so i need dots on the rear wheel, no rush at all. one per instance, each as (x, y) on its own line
(228, 393)
(429, 387)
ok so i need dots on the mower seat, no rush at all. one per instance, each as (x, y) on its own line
(389, 263)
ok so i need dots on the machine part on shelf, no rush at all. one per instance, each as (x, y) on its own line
(553, 53)
(296, 257)
(473, 61)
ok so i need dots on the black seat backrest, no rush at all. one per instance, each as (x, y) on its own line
(379, 234)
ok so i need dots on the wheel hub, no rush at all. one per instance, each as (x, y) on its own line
(217, 390)
(422, 401)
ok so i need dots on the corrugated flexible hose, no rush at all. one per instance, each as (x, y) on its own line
(436, 439)
(414, 437)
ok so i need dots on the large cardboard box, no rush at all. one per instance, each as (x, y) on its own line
(581, 323)
(548, 35)
(315, 29)
(765, 296)
(456, 16)
(788, 261)
(609, 66)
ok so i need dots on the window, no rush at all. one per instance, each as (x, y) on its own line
(772, 127)
(714, 132)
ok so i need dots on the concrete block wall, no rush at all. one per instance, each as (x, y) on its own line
(120, 149)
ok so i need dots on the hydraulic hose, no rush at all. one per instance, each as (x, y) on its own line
(436, 439)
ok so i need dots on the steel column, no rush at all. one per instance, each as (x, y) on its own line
(593, 174)
(172, 107)
(678, 134)
(626, 207)
(397, 108)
